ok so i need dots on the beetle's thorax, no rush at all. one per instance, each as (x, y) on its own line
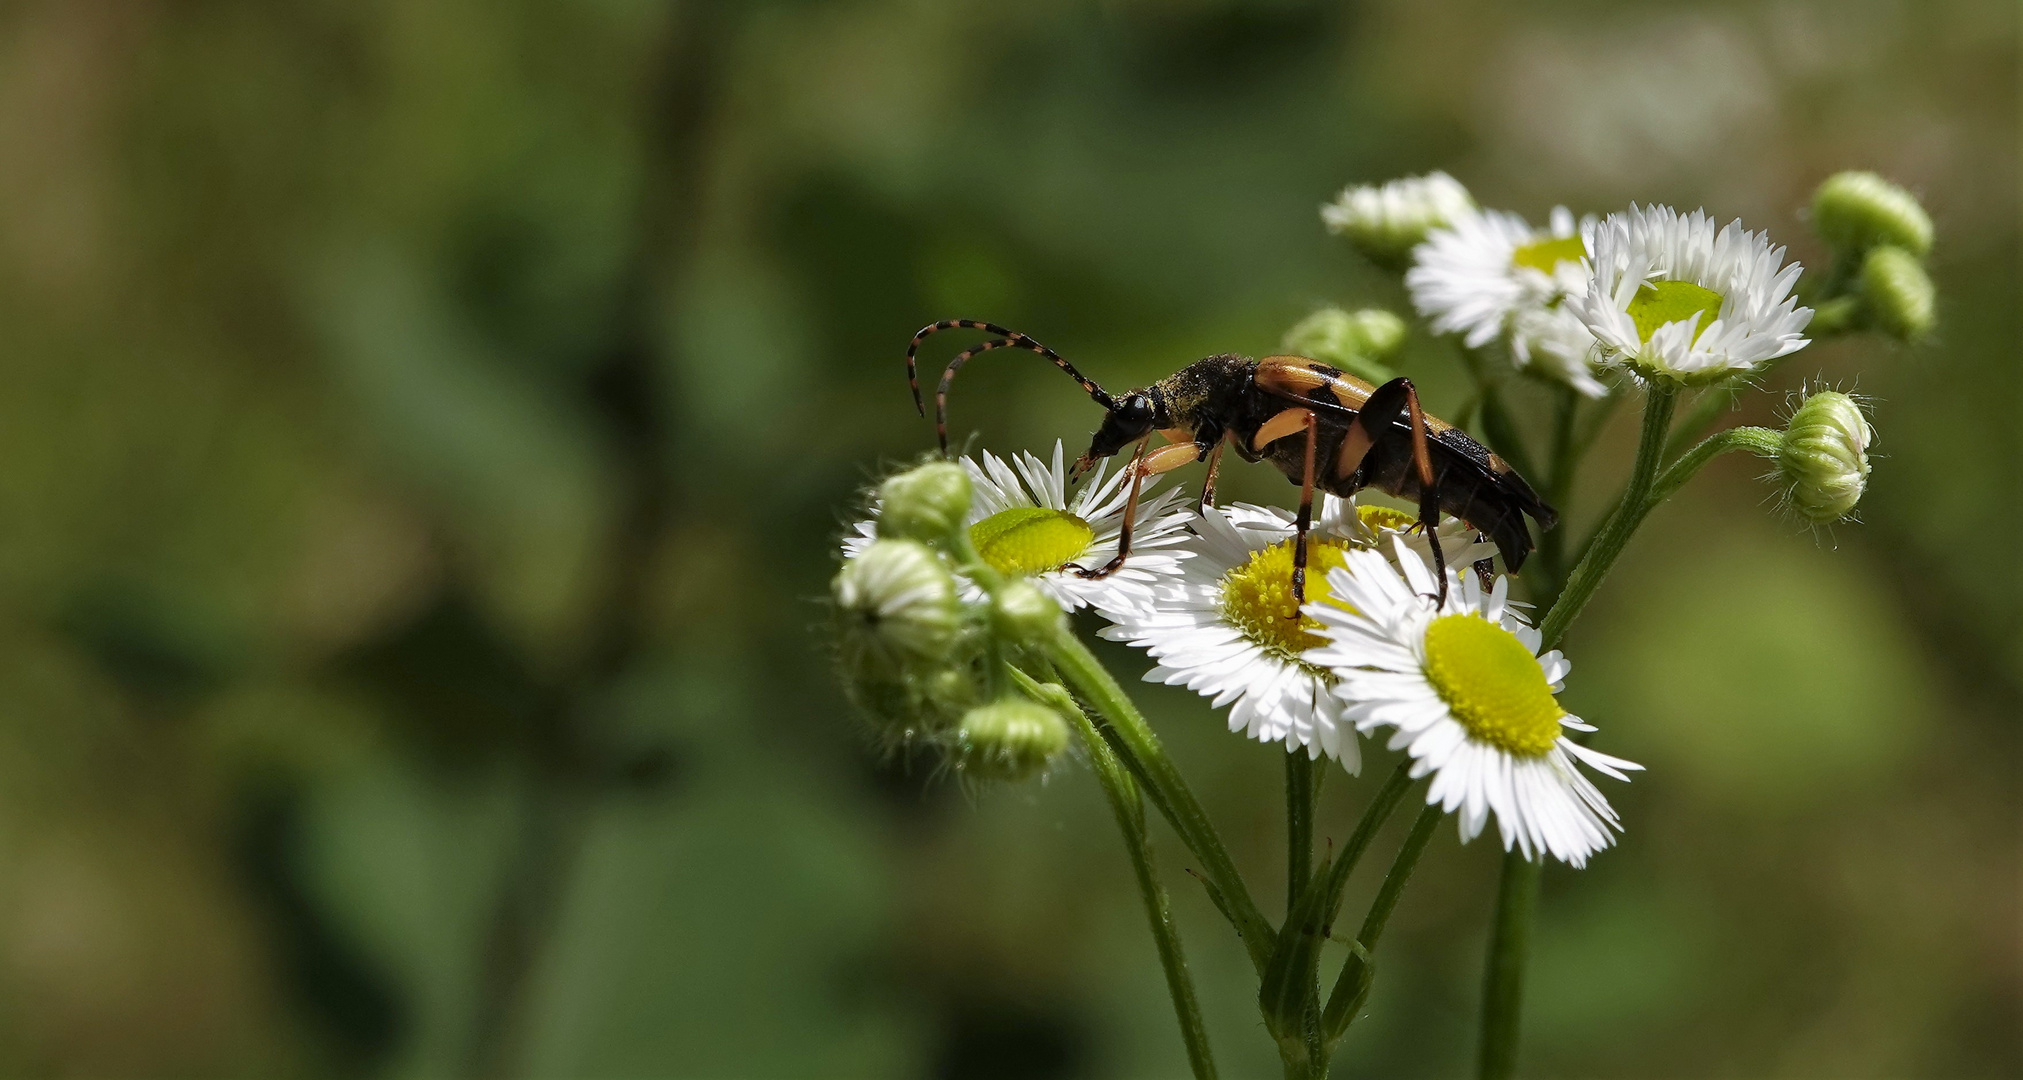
(1205, 392)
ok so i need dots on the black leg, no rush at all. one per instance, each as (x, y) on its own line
(1382, 410)
(1208, 485)
(1306, 518)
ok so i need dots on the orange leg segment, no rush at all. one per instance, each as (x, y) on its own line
(1138, 472)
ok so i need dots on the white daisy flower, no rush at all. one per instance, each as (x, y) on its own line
(1023, 522)
(1385, 221)
(1224, 626)
(1673, 299)
(1553, 343)
(1492, 274)
(1470, 699)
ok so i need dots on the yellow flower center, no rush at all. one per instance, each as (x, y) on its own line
(1660, 302)
(1030, 539)
(1492, 684)
(1546, 255)
(1257, 596)
(1376, 517)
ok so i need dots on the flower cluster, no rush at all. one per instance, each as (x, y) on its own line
(1352, 620)
(1209, 596)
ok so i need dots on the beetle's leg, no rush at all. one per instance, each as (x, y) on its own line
(1278, 427)
(1208, 485)
(1429, 490)
(1143, 464)
(1377, 416)
(1306, 516)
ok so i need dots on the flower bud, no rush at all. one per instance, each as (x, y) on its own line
(1824, 460)
(1358, 341)
(927, 502)
(1010, 739)
(1899, 293)
(1854, 211)
(905, 704)
(1386, 222)
(1022, 614)
(895, 604)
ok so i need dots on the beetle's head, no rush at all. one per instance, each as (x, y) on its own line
(1130, 418)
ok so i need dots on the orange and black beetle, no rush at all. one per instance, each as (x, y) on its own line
(1356, 436)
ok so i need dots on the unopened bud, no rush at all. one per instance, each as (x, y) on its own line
(1010, 739)
(1022, 614)
(1358, 341)
(895, 603)
(927, 502)
(1855, 211)
(1385, 222)
(1899, 293)
(1824, 460)
(905, 705)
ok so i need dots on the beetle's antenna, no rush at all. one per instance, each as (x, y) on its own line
(1008, 339)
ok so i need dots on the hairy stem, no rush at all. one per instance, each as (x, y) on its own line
(1147, 760)
(1129, 810)
(1608, 544)
(1763, 442)
(1351, 984)
(1373, 819)
(1517, 894)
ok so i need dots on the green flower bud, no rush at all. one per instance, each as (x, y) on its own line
(927, 502)
(1022, 614)
(1010, 739)
(1899, 293)
(896, 605)
(1387, 222)
(904, 704)
(1358, 341)
(1824, 461)
(1854, 211)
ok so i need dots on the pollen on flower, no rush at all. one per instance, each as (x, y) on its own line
(1375, 517)
(1546, 255)
(1257, 596)
(1492, 684)
(1658, 303)
(1030, 539)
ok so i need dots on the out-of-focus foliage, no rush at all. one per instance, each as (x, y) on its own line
(424, 427)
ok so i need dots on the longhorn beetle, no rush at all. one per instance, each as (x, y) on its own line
(1353, 436)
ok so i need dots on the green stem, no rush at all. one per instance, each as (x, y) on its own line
(1559, 482)
(1763, 442)
(1351, 985)
(1501, 431)
(1401, 871)
(1517, 893)
(1374, 816)
(1503, 984)
(1147, 760)
(1713, 404)
(1299, 827)
(1608, 544)
(1129, 810)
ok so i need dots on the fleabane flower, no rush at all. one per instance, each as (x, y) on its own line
(1676, 301)
(1225, 625)
(1385, 221)
(1467, 695)
(1023, 522)
(1492, 274)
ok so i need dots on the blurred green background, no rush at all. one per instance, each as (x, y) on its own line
(425, 425)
